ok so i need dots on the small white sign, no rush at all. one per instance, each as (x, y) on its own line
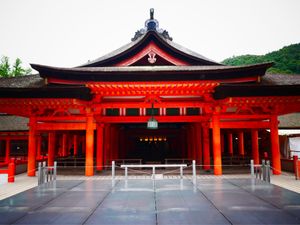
(3, 178)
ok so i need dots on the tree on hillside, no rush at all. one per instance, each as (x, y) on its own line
(286, 60)
(6, 70)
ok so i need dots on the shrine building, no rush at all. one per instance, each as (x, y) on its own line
(151, 99)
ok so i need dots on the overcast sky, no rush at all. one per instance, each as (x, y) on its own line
(70, 32)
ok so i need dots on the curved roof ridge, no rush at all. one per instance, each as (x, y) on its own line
(113, 53)
(141, 39)
(168, 43)
(189, 52)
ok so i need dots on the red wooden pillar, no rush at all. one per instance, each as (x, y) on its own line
(206, 150)
(217, 144)
(230, 144)
(89, 153)
(222, 142)
(39, 146)
(31, 147)
(117, 150)
(51, 148)
(106, 144)
(100, 139)
(182, 143)
(187, 141)
(70, 144)
(64, 145)
(241, 143)
(190, 142)
(58, 151)
(7, 150)
(75, 144)
(255, 150)
(198, 142)
(275, 145)
(11, 170)
(83, 144)
(112, 143)
(115, 140)
(122, 143)
(194, 142)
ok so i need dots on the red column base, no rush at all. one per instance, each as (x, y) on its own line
(276, 172)
(99, 168)
(11, 172)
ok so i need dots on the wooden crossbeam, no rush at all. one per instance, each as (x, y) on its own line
(244, 124)
(62, 126)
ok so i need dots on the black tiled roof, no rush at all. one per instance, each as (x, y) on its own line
(280, 79)
(270, 85)
(152, 73)
(13, 123)
(28, 81)
(34, 86)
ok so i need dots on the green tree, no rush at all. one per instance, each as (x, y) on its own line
(6, 70)
(286, 60)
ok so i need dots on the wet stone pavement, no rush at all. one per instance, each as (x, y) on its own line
(211, 201)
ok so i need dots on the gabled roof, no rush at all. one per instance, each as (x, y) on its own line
(151, 33)
(151, 56)
(57, 82)
(141, 42)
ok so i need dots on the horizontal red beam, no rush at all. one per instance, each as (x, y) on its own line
(237, 116)
(13, 137)
(67, 119)
(61, 126)
(144, 119)
(4, 171)
(243, 124)
(170, 104)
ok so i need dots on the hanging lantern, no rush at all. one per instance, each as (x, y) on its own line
(152, 122)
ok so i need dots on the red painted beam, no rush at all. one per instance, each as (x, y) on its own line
(237, 116)
(170, 104)
(62, 126)
(62, 118)
(14, 138)
(244, 124)
(144, 119)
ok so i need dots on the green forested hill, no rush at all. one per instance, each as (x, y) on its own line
(286, 60)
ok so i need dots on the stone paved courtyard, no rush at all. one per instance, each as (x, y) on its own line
(168, 201)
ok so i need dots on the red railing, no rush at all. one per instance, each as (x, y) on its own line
(10, 171)
(296, 167)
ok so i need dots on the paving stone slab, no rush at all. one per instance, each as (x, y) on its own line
(159, 202)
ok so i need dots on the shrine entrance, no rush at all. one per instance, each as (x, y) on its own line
(155, 146)
(206, 111)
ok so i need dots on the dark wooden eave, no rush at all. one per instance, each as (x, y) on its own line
(251, 90)
(76, 92)
(152, 73)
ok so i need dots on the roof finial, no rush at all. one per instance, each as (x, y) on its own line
(151, 25)
(151, 14)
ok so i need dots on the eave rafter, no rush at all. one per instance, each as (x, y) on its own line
(238, 101)
(162, 88)
(36, 102)
(36, 106)
(265, 105)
